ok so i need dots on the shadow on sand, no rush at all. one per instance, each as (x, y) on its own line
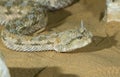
(38, 72)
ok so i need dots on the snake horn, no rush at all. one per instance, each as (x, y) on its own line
(82, 26)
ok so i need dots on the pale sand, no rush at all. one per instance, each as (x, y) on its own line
(99, 59)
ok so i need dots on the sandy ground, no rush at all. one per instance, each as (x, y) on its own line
(99, 59)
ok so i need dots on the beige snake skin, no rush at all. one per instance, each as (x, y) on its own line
(61, 42)
(22, 18)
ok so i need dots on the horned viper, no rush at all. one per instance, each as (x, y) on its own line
(22, 18)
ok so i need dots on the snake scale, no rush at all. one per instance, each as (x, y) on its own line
(22, 18)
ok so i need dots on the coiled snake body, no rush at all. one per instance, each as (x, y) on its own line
(22, 18)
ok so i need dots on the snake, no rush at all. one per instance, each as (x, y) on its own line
(23, 18)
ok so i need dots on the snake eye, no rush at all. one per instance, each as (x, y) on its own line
(79, 37)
